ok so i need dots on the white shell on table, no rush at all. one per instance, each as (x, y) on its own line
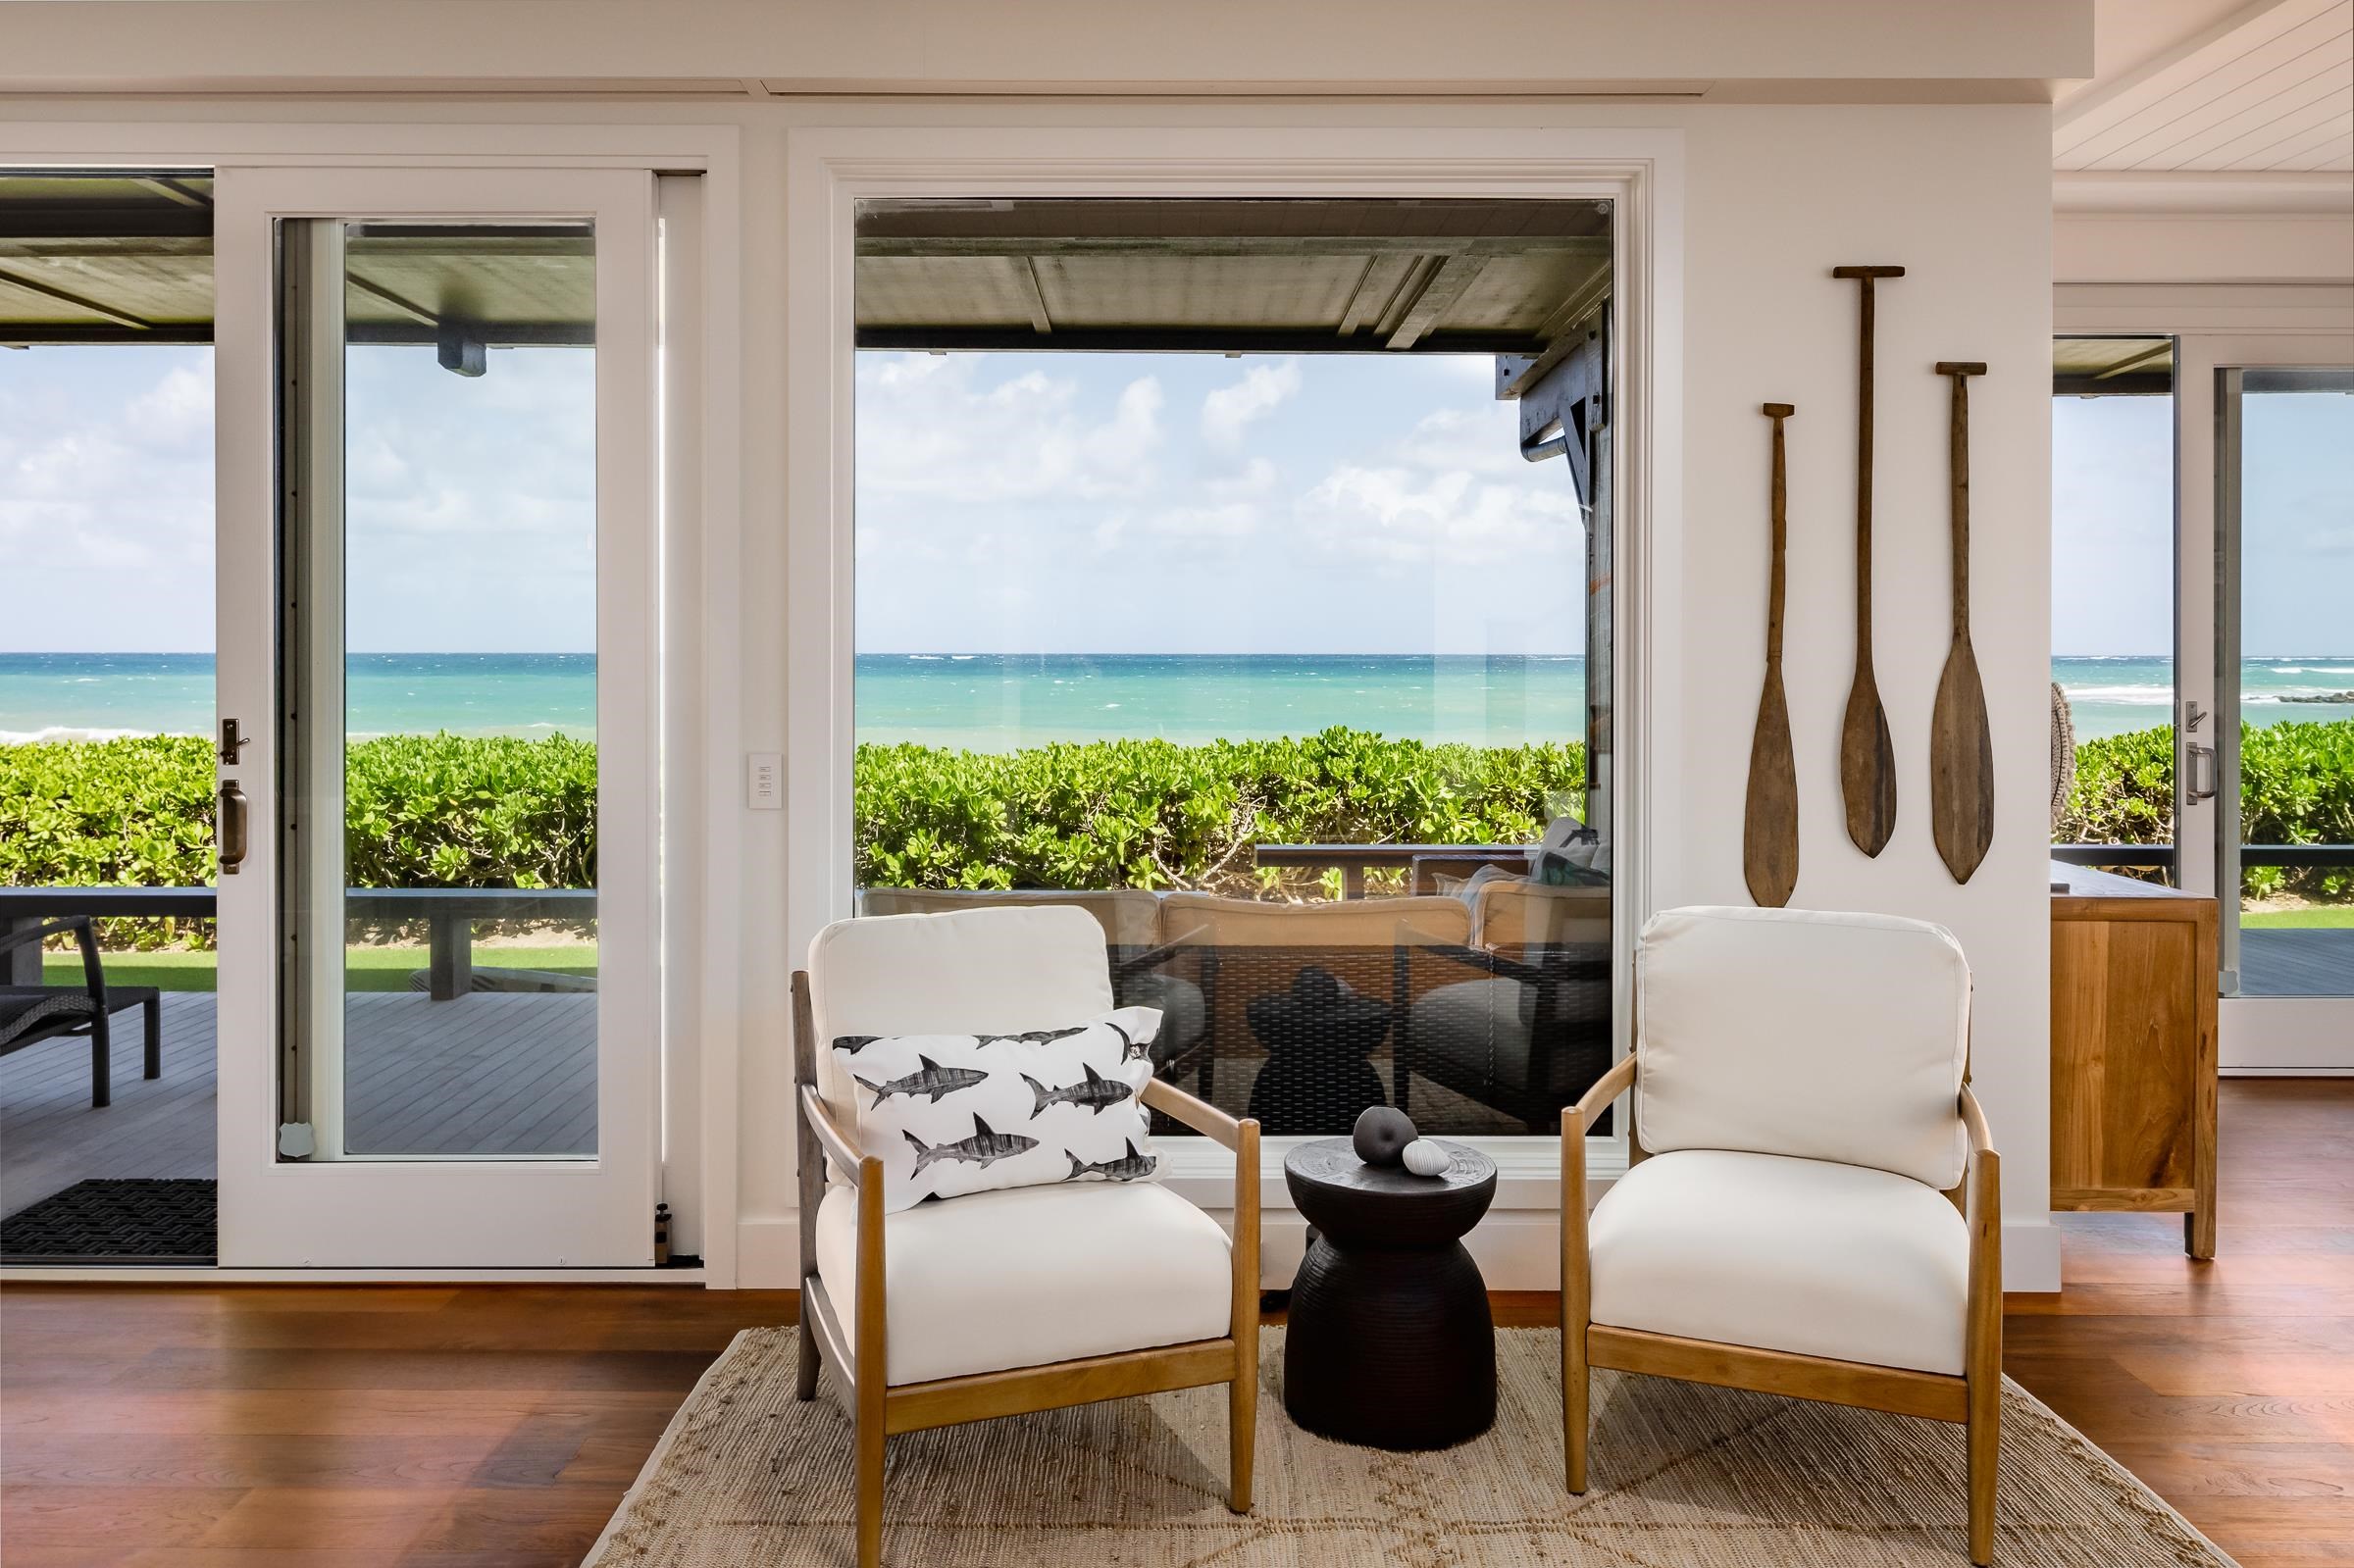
(1425, 1158)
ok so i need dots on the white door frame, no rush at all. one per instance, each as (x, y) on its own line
(828, 170)
(329, 1211)
(702, 830)
(2210, 326)
(2258, 1033)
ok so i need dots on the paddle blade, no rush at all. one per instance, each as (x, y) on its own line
(1770, 817)
(1961, 765)
(1868, 767)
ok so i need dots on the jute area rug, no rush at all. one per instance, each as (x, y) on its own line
(1683, 1477)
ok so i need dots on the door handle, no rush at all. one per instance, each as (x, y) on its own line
(2193, 754)
(230, 828)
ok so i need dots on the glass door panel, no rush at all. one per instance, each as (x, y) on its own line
(2286, 680)
(452, 729)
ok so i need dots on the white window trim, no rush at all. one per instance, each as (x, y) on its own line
(1641, 171)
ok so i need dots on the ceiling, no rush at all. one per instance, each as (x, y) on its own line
(1291, 276)
(2214, 86)
(128, 258)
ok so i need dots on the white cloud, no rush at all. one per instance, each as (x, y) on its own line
(1394, 518)
(1484, 440)
(927, 429)
(1228, 412)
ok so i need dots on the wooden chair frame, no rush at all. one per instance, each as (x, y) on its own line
(879, 1409)
(1972, 1399)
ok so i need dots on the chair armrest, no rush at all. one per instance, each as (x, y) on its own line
(85, 936)
(1590, 1105)
(1411, 940)
(839, 1146)
(1982, 1213)
(1200, 1115)
(1973, 1123)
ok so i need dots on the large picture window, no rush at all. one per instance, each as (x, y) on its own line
(1240, 572)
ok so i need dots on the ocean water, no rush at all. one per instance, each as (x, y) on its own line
(990, 702)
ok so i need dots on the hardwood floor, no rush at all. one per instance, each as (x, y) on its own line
(497, 1426)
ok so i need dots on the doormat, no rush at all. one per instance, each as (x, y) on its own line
(117, 1222)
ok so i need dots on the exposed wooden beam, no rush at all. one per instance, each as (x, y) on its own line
(173, 190)
(1375, 287)
(2135, 362)
(406, 307)
(1025, 273)
(79, 302)
(1437, 296)
(29, 335)
(1176, 341)
(1327, 245)
(1560, 340)
(67, 221)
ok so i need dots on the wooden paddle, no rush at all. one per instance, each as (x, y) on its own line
(1867, 756)
(1960, 750)
(1769, 818)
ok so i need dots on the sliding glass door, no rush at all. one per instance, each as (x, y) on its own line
(438, 644)
(2285, 699)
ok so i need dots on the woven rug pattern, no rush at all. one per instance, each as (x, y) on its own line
(1683, 1477)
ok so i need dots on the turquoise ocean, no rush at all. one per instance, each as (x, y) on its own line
(991, 702)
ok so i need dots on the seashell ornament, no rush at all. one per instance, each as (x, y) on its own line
(1426, 1158)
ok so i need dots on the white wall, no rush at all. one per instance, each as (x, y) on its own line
(1774, 196)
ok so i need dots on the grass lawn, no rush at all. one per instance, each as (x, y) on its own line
(365, 967)
(2323, 917)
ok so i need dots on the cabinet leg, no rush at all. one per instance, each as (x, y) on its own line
(2198, 1229)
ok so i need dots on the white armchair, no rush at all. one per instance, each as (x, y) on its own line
(1814, 1204)
(1023, 1299)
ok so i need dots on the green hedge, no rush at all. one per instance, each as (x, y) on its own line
(423, 811)
(1156, 814)
(2296, 787)
(446, 811)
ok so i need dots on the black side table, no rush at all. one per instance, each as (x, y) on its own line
(1390, 1343)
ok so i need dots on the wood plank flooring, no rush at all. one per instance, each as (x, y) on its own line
(495, 1073)
(497, 1426)
(2295, 962)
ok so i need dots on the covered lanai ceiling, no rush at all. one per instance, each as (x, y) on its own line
(127, 257)
(1280, 276)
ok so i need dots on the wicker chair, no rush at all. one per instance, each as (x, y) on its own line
(31, 1014)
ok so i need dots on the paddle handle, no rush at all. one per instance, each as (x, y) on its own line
(1958, 445)
(1777, 578)
(1867, 276)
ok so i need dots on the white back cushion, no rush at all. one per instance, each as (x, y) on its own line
(977, 970)
(1826, 1037)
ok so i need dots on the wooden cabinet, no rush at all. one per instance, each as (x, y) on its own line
(2133, 1051)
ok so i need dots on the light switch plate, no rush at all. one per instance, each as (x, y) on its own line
(764, 781)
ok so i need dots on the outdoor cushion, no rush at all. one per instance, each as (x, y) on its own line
(1481, 1024)
(1130, 916)
(25, 1009)
(1784, 1254)
(991, 971)
(1033, 1276)
(1183, 1012)
(1832, 1036)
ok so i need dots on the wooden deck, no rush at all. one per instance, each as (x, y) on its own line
(2277, 962)
(485, 1074)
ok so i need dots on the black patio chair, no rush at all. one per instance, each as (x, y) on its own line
(31, 1014)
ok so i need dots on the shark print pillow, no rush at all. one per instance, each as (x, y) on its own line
(951, 1114)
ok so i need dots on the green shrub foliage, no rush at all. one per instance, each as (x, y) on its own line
(449, 811)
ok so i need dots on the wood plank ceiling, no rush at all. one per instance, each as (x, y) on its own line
(2263, 87)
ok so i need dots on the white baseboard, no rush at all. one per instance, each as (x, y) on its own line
(2030, 1256)
(768, 1254)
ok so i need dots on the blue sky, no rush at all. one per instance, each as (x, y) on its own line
(1075, 503)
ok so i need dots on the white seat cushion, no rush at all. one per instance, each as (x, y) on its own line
(1784, 1254)
(1826, 1037)
(1033, 1276)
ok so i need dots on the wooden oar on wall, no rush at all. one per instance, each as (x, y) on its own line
(1770, 817)
(1961, 749)
(1867, 756)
